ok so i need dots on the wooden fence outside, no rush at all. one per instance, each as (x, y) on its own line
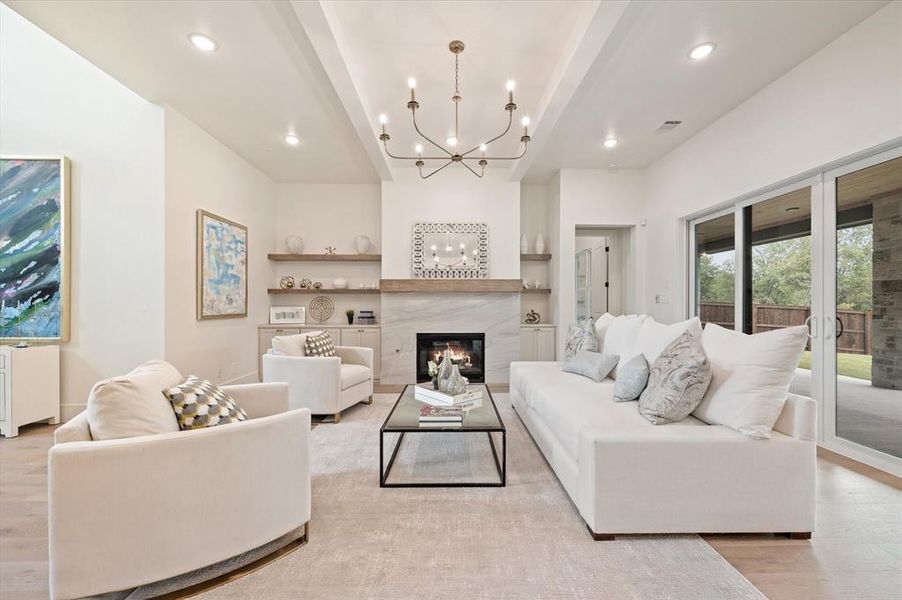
(855, 334)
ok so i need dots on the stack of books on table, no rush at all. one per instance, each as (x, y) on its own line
(440, 416)
(472, 398)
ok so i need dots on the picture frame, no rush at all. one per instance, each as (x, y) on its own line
(282, 315)
(35, 279)
(222, 251)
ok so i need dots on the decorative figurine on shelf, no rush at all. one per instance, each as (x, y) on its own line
(305, 284)
(432, 371)
(350, 315)
(362, 244)
(540, 244)
(340, 283)
(533, 318)
(330, 250)
(317, 285)
(294, 244)
(287, 282)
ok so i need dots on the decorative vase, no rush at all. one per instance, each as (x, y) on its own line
(340, 283)
(524, 244)
(294, 244)
(456, 383)
(540, 244)
(444, 370)
(362, 243)
(350, 319)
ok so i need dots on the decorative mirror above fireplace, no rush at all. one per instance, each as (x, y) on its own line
(450, 250)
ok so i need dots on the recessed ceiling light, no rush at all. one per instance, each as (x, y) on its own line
(292, 140)
(610, 143)
(203, 42)
(701, 51)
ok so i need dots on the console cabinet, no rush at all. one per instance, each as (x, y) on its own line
(29, 386)
(537, 342)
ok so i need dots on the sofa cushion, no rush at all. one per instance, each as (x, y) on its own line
(750, 377)
(133, 404)
(632, 378)
(319, 345)
(292, 345)
(601, 327)
(352, 375)
(199, 403)
(677, 381)
(593, 365)
(653, 337)
(581, 337)
(621, 338)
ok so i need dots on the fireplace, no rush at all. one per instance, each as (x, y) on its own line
(468, 348)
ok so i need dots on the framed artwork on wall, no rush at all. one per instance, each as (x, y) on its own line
(296, 315)
(34, 249)
(221, 267)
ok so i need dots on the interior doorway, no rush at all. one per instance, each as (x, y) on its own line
(600, 259)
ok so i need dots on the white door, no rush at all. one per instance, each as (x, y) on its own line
(583, 285)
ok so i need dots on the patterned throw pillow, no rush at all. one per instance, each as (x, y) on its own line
(319, 345)
(677, 381)
(581, 338)
(199, 403)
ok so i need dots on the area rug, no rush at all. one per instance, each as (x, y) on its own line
(525, 540)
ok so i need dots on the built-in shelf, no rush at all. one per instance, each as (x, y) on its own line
(538, 291)
(536, 257)
(321, 291)
(451, 285)
(326, 257)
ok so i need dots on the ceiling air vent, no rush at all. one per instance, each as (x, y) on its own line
(668, 125)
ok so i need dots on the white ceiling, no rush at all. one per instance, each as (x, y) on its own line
(650, 78)
(584, 70)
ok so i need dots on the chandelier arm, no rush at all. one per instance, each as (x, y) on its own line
(510, 121)
(472, 171)
(434, 172)
(413, 114)
(521, 155)
(390, 155)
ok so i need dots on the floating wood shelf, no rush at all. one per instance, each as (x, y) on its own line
(451, 285)
(326, 257)
(536, 257)
(321, 291)
(538, 291)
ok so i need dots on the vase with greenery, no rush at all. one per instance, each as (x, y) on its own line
(350, 314)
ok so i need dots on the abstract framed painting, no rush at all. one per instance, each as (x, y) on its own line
(34, 249)
(221, 267)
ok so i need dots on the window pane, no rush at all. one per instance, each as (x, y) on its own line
(715, 274)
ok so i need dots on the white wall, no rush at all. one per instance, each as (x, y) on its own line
(452, 195)
(844, 99)
(594, 198)
(202, 173)
(53, 102)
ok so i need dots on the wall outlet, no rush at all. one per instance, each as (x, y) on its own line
(663, 298)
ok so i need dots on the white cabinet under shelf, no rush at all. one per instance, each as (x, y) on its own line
(537, 342)
(29, 386)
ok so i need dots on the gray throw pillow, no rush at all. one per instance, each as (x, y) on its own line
(632, 378)
(593, 365)
(581, 337)
(677, 381)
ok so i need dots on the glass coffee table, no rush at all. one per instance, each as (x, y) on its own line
(404, 418)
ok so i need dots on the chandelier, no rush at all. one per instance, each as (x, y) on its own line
(454, 154)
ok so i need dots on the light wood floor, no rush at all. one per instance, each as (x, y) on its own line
(856, 551)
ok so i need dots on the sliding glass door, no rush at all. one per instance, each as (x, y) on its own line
(825, 251)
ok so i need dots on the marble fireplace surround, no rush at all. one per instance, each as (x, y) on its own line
(404, 314)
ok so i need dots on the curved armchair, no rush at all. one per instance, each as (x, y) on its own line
(132, 511)
(325, 385)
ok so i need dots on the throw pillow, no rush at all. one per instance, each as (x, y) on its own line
(319, 345)
(620, 338)
(631, 379)
(593, 365)
(199, 403)
(601, 327)
(653, 337)
(134, 404)
(581, 337)
(291, 345)
(677, 381)
(750, 377)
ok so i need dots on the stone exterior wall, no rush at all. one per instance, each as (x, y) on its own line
(886, 369)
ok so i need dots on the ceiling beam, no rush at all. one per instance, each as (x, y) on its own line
(605, 32)
(320, 30)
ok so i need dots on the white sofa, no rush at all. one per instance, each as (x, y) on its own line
(132, 511)
(626, 475)
(325, 385)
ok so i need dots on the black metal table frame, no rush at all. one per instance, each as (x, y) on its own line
(500, 464)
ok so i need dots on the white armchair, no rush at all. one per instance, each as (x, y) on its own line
(325, 385)
(132, 511)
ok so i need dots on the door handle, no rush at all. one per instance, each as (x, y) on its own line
(839, 328)
(811, 322)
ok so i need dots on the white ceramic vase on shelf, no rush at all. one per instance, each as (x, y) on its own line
(540, 244)
(524, 244)
(340, 283)
(362, 243)
(294, 244)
